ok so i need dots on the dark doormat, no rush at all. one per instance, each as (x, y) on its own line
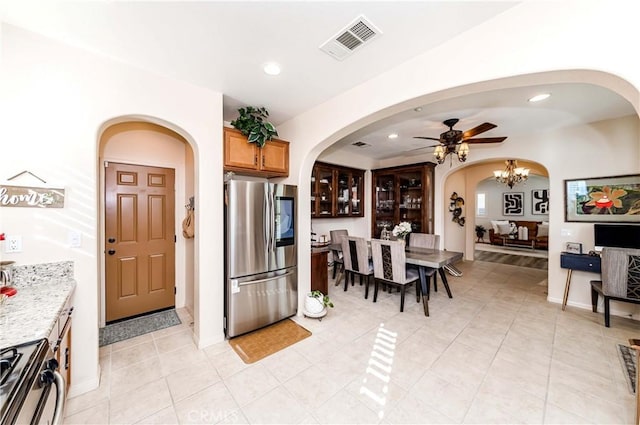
(138, 326)
(627, 357)
(259, 344)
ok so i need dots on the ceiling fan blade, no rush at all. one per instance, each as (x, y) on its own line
(477, 130)
(427, 138)
(423, 147)
(486, 140)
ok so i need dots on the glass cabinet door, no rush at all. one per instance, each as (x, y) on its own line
(411, 199)
(385, 203)
(342, 196)
(324, 194)
(356, 194)
(314, 194)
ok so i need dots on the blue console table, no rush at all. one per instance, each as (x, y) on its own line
(581, 262)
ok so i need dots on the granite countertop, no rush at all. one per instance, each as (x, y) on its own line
(43, 291)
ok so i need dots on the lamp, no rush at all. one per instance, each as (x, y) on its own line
(441, 151)
(512, 174)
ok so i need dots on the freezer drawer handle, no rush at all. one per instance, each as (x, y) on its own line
(265, 280)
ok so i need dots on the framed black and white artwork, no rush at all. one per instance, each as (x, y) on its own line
(540, 201)
(513, 203)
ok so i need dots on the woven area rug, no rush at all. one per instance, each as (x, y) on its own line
(138, 326)
(628, 361)
(259, 344)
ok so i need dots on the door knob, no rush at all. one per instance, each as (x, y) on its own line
(111, 240)
(111, 251)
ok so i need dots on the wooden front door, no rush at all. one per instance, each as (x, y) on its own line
(140, 239)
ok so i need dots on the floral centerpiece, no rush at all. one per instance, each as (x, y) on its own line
(401, 230)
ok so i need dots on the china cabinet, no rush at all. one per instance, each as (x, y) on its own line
(336, 191)
(402, 194)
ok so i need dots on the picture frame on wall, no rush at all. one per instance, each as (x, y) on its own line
(540, 201)
(614, 199)
(512, 203)
(574, 248)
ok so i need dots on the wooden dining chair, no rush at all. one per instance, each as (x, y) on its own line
(390, 268)
(355, 254)
(336, 238)
(430, 241)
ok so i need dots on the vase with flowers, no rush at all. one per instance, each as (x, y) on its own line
(401, 230)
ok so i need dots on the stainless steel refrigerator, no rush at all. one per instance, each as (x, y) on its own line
(261, 280)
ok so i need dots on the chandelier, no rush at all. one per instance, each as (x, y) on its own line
(441, 151)
(512, 174)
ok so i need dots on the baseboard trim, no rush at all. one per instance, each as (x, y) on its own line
(82, 387)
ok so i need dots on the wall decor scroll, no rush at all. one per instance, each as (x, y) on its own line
(455, 206)
(540, 201)
(513, 203)
(613, 199)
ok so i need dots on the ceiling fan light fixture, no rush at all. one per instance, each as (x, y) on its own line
(539, 97)
(463, 151)
(439, 154)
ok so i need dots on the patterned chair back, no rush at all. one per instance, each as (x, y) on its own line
(355, 254)
(424, 240)
(621, 272)
(389, 260)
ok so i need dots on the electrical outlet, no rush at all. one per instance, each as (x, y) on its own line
(13, 243)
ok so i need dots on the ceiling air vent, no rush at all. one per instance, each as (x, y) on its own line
(360, 144)
(357, 33)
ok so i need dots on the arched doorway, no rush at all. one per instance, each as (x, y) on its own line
(152, 145)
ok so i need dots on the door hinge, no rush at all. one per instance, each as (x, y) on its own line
(175, 239)
(174, 290)
(106, 164)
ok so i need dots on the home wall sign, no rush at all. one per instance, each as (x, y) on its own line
(34, 197)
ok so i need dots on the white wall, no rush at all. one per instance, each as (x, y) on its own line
(55, 102)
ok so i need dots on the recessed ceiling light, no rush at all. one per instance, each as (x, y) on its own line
(393, 136)
(271, 68)
(539, 97)
(418, 109)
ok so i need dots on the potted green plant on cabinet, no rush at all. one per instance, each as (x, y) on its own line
(253, 123)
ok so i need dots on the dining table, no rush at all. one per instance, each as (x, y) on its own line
(424, 259)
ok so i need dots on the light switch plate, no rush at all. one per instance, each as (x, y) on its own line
(75, 239)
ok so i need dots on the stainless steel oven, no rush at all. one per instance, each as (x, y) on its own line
(32, 391)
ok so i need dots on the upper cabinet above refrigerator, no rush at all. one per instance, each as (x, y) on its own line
(244, 158)
(336, 191)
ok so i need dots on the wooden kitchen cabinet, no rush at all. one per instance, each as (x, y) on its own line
(403, 194)
(336, 191)
(319, 270)
(242, 157)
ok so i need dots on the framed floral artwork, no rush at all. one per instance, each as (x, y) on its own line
(614, 199)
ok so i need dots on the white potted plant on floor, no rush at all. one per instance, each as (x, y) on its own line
(316, 303)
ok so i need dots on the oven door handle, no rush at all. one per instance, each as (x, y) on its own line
(58, 381)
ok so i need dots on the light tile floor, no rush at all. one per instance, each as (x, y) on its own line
(497, 352)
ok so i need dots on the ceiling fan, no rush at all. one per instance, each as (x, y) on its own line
(456, 141)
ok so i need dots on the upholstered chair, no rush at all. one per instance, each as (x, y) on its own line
(355, 254)
(336, 238)
(620, 279)
(390, 267)
(430, 241)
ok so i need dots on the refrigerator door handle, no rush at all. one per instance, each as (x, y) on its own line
(267, 231)
(273, 221)
(253, 282)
